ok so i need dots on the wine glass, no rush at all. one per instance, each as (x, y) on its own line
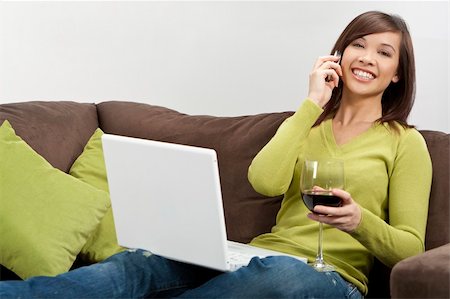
(317, 179)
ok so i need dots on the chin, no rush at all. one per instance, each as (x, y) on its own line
(358, 91)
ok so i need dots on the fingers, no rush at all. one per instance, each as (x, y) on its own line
(323, 78)
(331, 76)
(335, 211)
(330, 67)
(321, 60)
(346, 218)
(345, 196)
(327, 69)
(328, 62)
(329, 211)
(346, 223)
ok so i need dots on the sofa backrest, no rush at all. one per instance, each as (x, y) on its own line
(58, 131)
(235, 139)
(438, 225)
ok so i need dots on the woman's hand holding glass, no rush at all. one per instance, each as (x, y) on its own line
(346, 217)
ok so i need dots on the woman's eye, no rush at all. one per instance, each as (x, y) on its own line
(358, 45)
(385, 53)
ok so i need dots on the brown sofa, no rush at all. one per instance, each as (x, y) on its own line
(59, 130)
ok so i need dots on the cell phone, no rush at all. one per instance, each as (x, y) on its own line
(337, 54)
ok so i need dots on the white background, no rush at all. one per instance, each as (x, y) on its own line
(219, 58)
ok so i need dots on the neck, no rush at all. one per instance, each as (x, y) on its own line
(356, 110)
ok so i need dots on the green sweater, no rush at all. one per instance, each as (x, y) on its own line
(388, 174)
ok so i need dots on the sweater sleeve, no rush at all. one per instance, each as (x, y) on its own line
(270, 172)
(409, 190)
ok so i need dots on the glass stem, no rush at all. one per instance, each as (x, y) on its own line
(319, 257)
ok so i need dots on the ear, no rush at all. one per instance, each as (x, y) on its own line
(396, 78)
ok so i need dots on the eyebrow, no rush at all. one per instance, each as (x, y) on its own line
(388, 45)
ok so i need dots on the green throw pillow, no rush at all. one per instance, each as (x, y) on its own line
(90, 168)
(46, 215)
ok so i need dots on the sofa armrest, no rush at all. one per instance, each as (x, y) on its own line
(423, 276)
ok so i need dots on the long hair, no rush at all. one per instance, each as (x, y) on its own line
(398, 98)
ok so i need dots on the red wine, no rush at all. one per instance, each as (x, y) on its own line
(324, 198)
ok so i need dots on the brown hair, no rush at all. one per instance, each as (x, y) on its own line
(398, 98)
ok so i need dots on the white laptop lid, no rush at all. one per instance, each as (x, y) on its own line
(166, 198)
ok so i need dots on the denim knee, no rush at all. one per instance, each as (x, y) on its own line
(277, 261)
(286, 277)
(278, 276)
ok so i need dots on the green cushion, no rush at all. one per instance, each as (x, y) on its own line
(46, 215)
(90, 168)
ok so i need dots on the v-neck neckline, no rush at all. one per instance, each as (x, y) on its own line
(329, 133)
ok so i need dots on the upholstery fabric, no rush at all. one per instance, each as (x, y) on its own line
(422, 276)
(438, 225)
(57, 131)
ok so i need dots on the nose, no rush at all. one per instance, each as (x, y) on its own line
(366, 59)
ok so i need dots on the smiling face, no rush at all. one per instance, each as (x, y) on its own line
(370, 64)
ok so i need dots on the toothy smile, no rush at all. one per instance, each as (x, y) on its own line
(363, 75)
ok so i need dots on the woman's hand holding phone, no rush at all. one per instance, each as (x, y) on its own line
(323, 78)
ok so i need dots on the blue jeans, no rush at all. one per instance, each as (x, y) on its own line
(139, 274)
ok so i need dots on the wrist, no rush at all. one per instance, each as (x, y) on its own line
(316, 100)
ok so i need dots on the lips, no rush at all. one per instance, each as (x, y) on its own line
(363, 74)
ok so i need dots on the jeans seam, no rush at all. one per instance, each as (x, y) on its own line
(350, 288)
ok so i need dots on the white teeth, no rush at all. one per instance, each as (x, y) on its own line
(362, 74)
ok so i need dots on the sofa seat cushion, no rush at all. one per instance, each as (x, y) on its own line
(46, 215)
(235, 139)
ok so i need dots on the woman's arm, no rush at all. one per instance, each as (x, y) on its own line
(409, 190)
(270, 172)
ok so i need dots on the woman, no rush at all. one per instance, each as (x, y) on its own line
(363, 122)
(355, 111)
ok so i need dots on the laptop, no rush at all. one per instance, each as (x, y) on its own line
(166, 198)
